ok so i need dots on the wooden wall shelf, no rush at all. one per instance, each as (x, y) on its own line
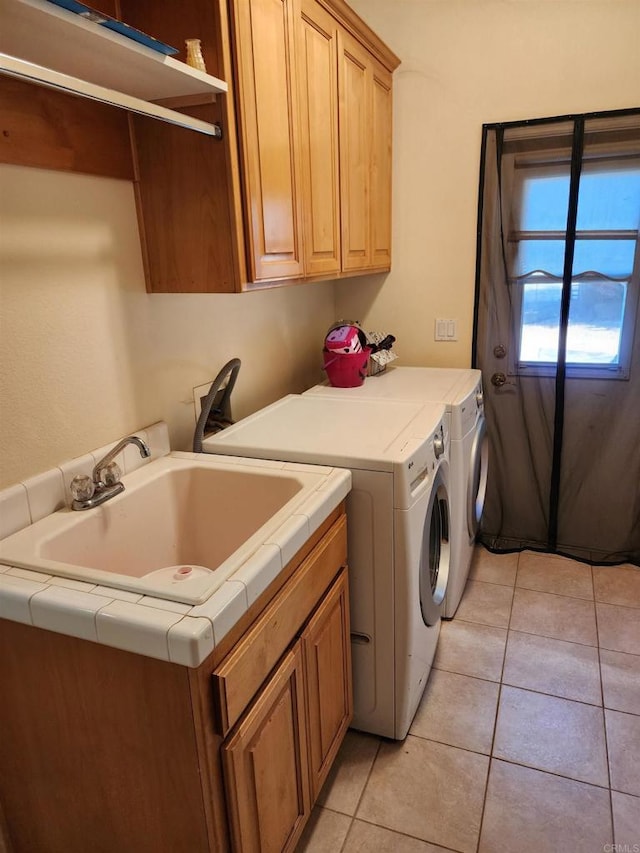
(45, 44)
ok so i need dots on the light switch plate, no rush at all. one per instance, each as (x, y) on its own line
(445, 330)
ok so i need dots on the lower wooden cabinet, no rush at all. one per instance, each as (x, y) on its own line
(266, 765)
(145, 756)
(280, 752)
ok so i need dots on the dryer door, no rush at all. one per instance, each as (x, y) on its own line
(434, 557)
(477, 483)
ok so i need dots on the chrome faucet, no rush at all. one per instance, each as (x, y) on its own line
(104, 482)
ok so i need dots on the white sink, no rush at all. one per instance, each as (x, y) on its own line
(184, 524)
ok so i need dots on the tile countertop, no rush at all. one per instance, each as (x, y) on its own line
(159, 628)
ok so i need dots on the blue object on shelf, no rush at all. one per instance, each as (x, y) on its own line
(117, 26)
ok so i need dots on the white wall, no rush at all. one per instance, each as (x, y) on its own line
(465, 63)
(87, 356)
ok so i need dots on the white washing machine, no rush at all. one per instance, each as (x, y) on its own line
(460, 390)
(397, 523)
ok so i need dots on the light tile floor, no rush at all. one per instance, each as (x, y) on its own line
(527, 739)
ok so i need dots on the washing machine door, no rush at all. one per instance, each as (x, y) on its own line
(477, 483)
(434, 557)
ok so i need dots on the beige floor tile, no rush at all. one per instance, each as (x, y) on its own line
(618, 628)
(367, 838)
(457, 710)
(556, 616)
(620, 681)
(493, 568)
(347, 778)
(471, 649)
(623, 742)
(427, 790)
(626, 820)
(617, 584)
(552, 734)
(548, 573)
(485, 603)
(528, 811)
(551, 666)
(324, 833)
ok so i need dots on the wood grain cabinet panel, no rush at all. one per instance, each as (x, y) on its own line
(184, 218)
(188, 186)
(365, 158)
(242, 672)
(97, 749)
(282, 747)
(381, 137)
(317, 72)
(267, 97)
(326, 646)
(265, 765)
(355, 142)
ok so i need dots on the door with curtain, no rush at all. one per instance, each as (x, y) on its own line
(557, 335)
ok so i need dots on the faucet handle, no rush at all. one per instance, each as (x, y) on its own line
(110, 474)
(82, 488)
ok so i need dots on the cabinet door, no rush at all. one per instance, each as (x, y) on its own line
(265, 765)
(354, 86)
(317, 70)
(265, 46)
(381, 134)
(327, 658)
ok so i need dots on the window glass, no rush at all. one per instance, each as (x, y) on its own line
(540, 322)
(613, 258)
(596, 315)
(544, 255)
(609, 198)
(545, 200)
(595, 322)
(603, 263)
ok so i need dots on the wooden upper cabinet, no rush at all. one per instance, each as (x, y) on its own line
(267, 107)
(365, 157)
(187, 184)
(299, 185)
(381, 134)
(318, 85)
(355, 152)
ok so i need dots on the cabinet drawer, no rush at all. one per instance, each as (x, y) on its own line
(242, 672)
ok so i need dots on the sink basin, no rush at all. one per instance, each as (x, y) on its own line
(182, 526)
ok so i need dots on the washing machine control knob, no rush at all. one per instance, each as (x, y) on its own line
(479, 399)
(438, 446)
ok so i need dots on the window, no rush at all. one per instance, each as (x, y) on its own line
(604, 284)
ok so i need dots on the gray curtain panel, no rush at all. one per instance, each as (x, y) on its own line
(557, 335)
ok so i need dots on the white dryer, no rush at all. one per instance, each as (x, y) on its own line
(460, 390)
(397, 522)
